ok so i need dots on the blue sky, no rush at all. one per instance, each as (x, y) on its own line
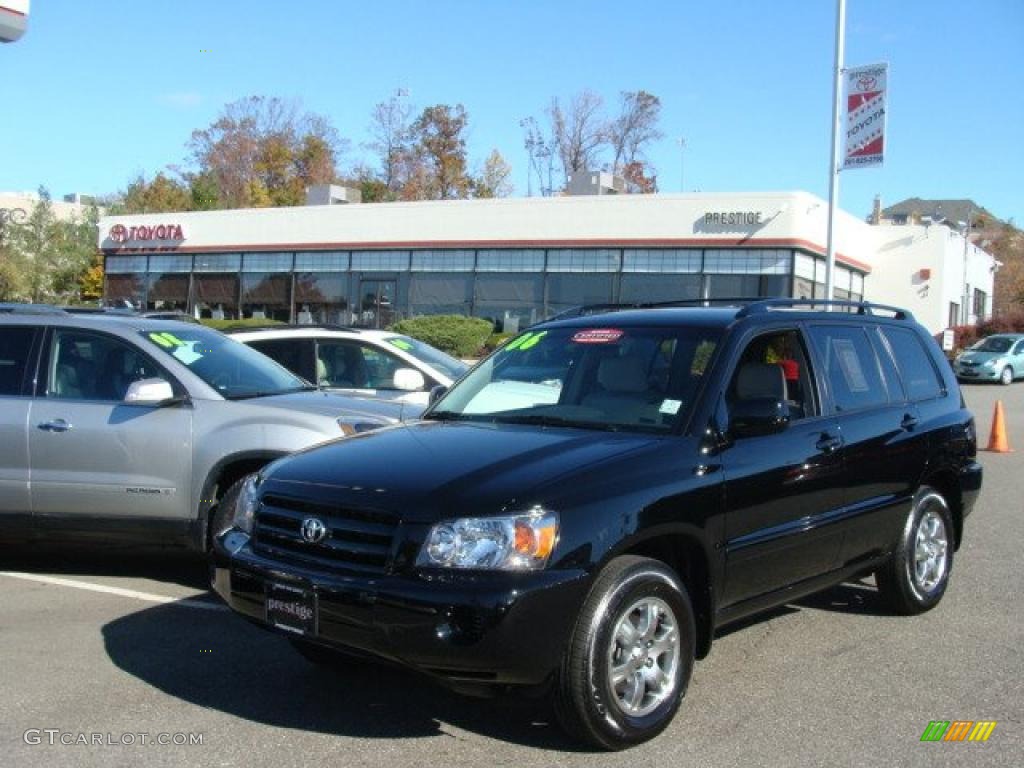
(99, 91)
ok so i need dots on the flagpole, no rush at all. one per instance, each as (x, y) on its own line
(833, 185)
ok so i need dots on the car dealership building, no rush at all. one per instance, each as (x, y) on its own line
(519, 260)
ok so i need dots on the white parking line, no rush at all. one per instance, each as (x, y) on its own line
(144, 596)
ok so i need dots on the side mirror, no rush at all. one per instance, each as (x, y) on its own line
(436, 393)
(409, 380)
(758, 416)
(149, 392)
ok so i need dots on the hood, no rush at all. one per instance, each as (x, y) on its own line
(977, 356)
(431, 470)
(351, 410)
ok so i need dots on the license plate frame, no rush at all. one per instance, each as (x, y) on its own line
(292, 609)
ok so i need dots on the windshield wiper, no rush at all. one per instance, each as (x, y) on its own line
(549, 420)
(270, 392)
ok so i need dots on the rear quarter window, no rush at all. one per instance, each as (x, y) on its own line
(850, 366)
(15, 348)
(920, 379)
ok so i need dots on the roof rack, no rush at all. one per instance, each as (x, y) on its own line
(863, 307)
(290, 326)
(14, 308)
(596, 309)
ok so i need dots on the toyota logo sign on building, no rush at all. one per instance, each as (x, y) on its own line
(121, 234)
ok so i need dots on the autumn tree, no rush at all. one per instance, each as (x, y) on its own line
(391, 129)
(45, 255)
(264, 151)
(635, 128)
(159, 195)
(493, 180)
(439, 141)
(1008, 248)
(579, 132)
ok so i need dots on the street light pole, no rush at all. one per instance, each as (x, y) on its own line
(833, 184)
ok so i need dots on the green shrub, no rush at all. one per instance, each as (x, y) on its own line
(496, 340)
(454, 334)
(230, 325)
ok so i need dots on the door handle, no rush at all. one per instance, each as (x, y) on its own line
(829, 443)
(909, 421)
(57, 425)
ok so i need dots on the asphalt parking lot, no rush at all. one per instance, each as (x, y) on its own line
(128, 646)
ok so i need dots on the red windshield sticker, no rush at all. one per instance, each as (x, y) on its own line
(598, 336)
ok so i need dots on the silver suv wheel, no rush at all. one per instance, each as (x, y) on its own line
(642, 656)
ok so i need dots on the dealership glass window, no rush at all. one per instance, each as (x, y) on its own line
(321, 298)
(125, 265)
(441, 294)
(161, 264)
(168, 291)
(803, 288)
(953, 319)
(218, 262)
(267, 296)
(122, 288)
(386, 261)
(755, 262)
(510, 260)
(661, 260)
(443, 261)
(584, 260)
(511, 301)
(322, 261)
(747, 286)
(216, 296)
(857, 284)
(803, 266)
(267, 262)
(567, 291)
(659, 287)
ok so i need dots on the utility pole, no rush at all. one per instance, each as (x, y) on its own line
(965, 311)
(833, 184)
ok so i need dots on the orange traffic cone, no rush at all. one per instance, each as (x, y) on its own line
(997, 442)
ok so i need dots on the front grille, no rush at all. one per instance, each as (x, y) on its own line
(969, 364)
(358, 540)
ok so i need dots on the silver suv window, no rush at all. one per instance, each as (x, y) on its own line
(233, 369)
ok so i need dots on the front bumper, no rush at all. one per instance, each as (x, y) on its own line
(466, 629)
(976, 373)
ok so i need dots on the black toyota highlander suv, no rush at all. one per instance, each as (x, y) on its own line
(583, 509)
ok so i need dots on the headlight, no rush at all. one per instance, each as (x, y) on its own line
(990, 363)
(513, 543)
(245, 505)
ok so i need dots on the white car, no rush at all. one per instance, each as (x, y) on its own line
(370, 363)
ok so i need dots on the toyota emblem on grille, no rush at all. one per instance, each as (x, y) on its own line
(313, 530)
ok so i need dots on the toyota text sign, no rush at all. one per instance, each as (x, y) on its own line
(864, 127)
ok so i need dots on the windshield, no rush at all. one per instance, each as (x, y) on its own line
(435, 358)
(994, 344)
(598, 378)
(230, 367)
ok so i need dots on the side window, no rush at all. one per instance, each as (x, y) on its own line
(919, 376)
(1019, 348)
(775, 365)
(87, 366)
(291, 353)
(850, 367)
(349, 364)
(15, 348)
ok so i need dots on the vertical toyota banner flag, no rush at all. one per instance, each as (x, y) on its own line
(864, 141)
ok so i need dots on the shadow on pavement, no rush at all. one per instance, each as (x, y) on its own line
(172, 566)
(217, 660)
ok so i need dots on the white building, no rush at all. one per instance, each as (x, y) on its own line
(514, 260)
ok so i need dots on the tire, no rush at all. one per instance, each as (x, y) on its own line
(321, 655)
(1006, 376)
(590, 705)
(916, 576)
(222, 512)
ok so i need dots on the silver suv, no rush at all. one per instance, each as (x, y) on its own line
(126, 428)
